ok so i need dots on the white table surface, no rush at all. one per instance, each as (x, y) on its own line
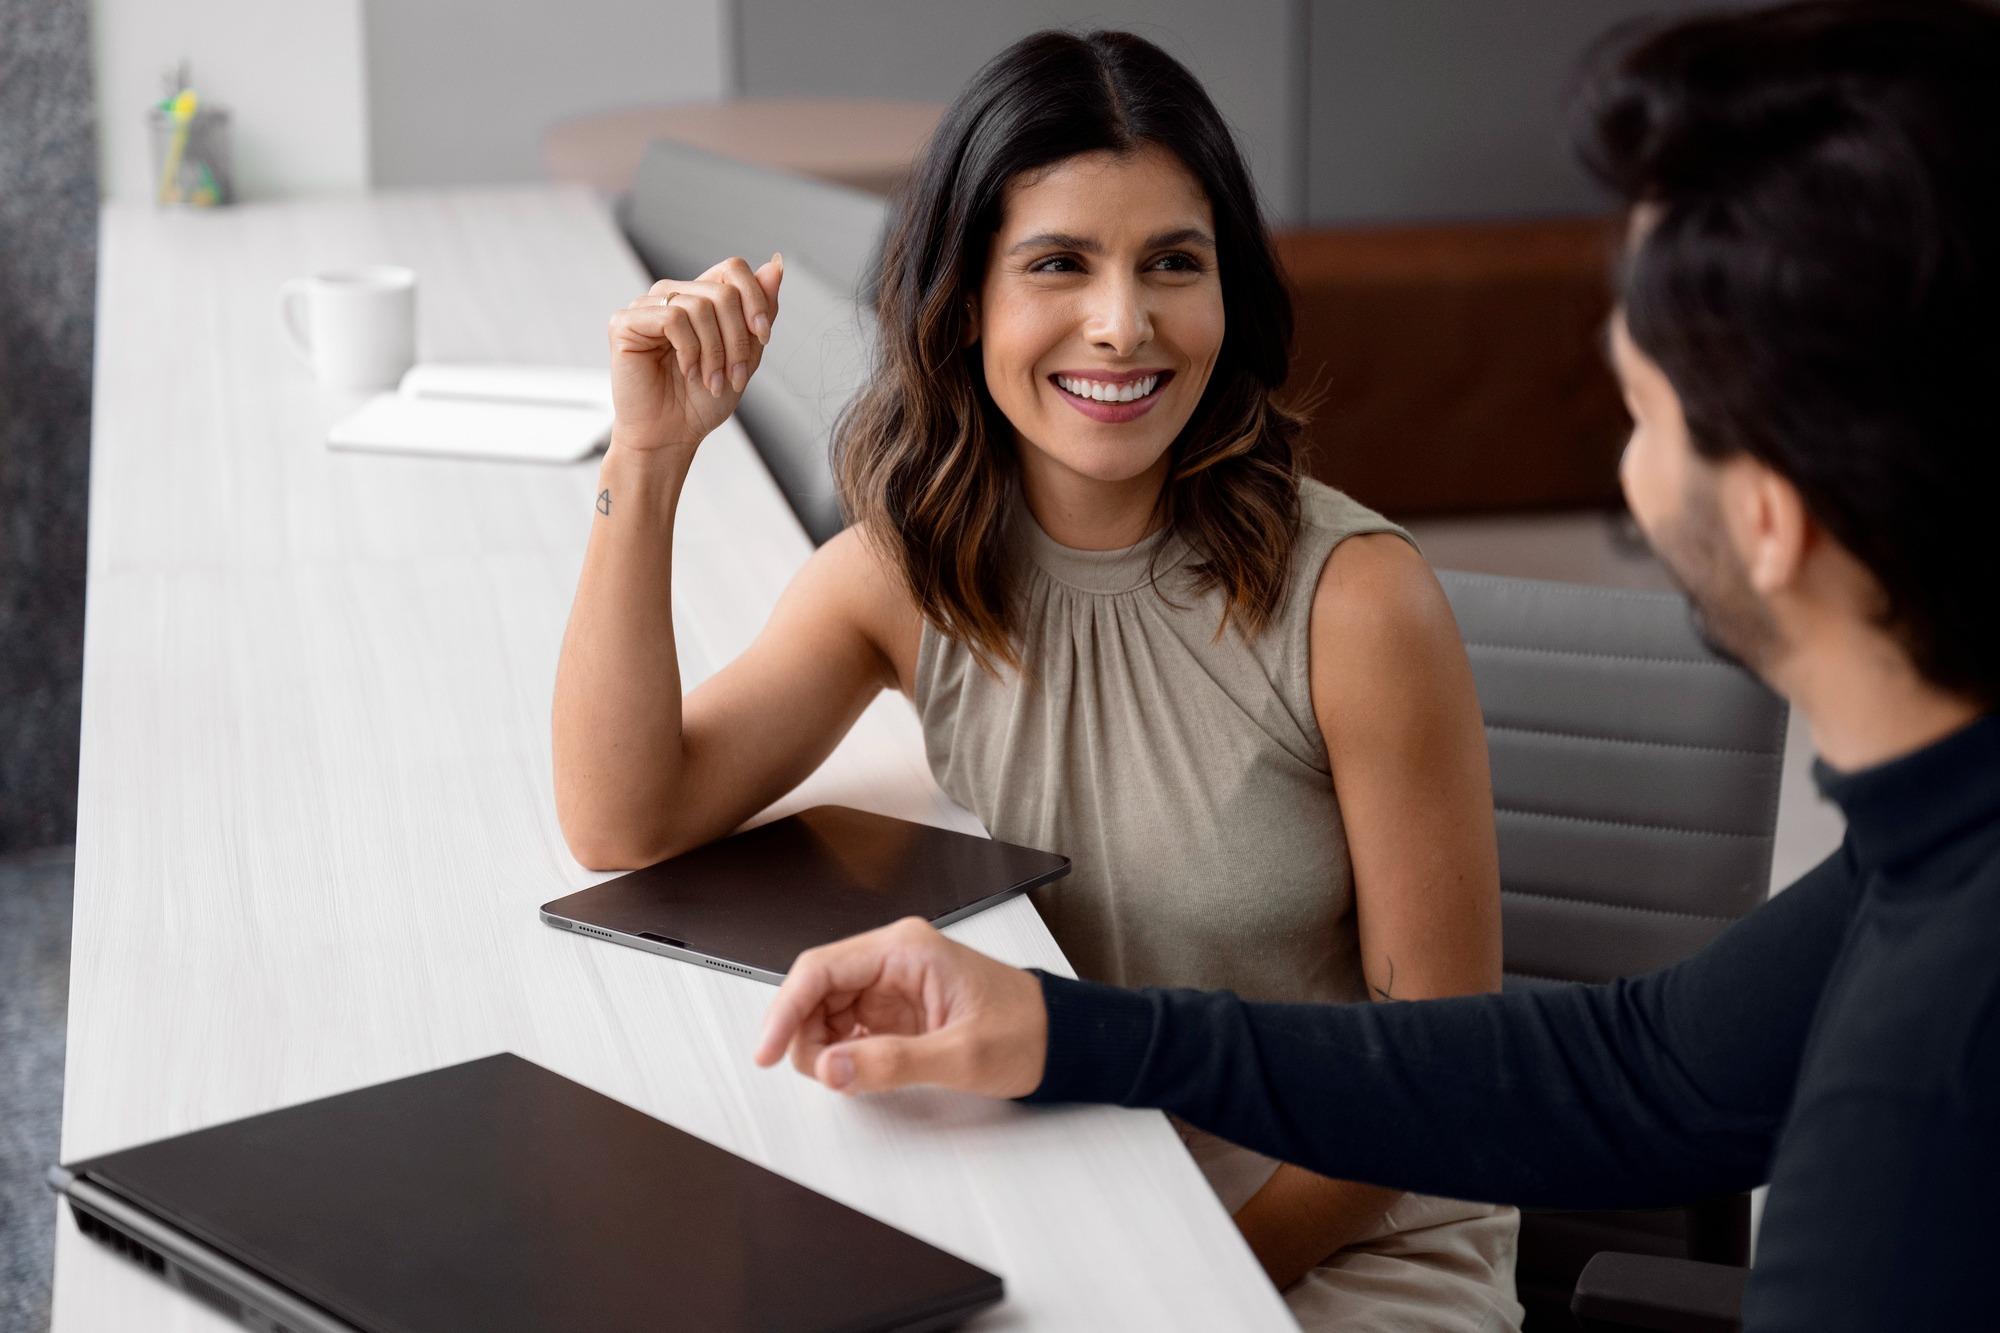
(315, 816)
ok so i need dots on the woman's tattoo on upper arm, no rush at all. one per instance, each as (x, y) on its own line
(1385, 989)
(604, 503)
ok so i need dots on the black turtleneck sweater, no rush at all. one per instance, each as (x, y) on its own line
(1841, 1043)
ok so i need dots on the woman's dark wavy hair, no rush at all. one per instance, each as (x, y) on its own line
(1822, 283)
(924, 458)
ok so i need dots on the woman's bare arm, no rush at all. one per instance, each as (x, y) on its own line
(1396, 703)
(1394, 698)
(639, 775)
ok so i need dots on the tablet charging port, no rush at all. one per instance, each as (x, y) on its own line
(663, 939)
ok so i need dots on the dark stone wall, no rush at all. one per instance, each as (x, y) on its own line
(48, 278)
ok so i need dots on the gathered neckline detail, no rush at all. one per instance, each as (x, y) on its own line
(1126, 569)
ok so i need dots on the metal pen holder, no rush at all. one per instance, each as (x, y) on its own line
(191, 160)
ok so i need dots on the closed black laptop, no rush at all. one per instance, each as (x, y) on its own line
(500, 1197)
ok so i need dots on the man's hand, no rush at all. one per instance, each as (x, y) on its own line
(904, 1005)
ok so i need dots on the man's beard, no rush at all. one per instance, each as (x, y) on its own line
(1728, 615)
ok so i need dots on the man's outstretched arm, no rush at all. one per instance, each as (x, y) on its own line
(1659, 1089)
(1643, 1092)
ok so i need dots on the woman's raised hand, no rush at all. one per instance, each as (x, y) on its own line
(681, 354)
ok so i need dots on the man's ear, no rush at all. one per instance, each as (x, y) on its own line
(1773, 527)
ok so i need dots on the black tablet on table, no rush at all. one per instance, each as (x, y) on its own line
(750, 903)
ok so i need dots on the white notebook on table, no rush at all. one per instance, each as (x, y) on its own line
(545, 414)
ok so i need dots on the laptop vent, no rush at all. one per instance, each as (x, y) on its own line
(728, 967)
(113, 1237)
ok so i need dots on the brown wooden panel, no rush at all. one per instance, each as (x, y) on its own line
(1458, 368)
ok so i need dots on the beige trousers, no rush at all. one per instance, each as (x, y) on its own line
(1429, 1266)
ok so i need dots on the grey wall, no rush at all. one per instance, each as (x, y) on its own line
(1349, 110)
(1421, 110)
(1246, 53)
(48, 260)
(460, 91)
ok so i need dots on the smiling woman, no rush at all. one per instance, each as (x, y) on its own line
(1073, 218)
(1131, 633)
(1129, 294)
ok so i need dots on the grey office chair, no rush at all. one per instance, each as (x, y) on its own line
(688, 209)
(1635, 786)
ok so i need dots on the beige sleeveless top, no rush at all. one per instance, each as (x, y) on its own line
(1183, 774)
(1185, 777)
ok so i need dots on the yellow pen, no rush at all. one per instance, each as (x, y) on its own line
(183, 113)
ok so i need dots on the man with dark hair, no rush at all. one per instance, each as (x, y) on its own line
(1805, 335)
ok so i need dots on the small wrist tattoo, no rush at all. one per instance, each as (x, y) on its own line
(604, 503)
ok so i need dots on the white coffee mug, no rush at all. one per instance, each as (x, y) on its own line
(356, 328)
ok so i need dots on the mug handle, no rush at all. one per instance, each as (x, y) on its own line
(289, 298)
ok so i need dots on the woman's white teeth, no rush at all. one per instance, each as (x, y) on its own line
(1109, 393)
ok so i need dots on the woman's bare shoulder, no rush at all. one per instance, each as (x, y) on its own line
(1378, 595)
(857, 571)
(1383, 643)
(861, 562)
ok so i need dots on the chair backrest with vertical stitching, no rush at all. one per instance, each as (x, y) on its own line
(1635, 788)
